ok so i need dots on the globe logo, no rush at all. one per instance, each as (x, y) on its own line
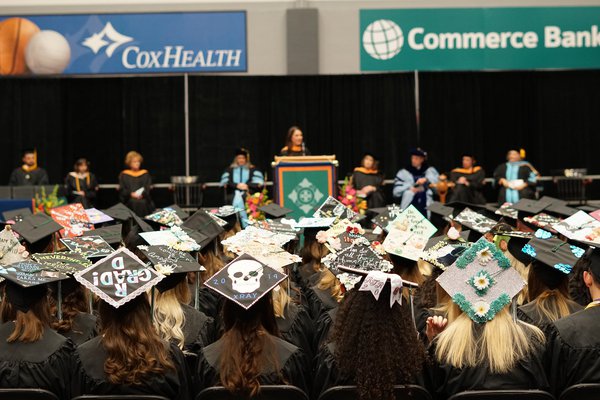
(383, 39)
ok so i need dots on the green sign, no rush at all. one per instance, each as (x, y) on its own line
(479, 38)
(303, 187)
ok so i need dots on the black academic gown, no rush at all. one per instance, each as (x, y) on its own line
(305, 271)
(320, 301)
(573, 354)
(445, 380)
(89, 376)
(197, 329)
(20, 177)
(90, 189)
(531, 314)
(524, 171)
(327, 374)
(361, 179)
(45, 364)
(129, 184)
(296, 328)
(468, 194)
(84, 328)
(292, 366)
(322, 328)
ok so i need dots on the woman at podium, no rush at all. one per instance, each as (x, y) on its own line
(294, 143)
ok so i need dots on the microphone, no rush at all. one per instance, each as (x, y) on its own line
(303, 149)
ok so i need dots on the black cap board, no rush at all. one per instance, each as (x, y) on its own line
(36, 227)
(274, 210)
(112, 234)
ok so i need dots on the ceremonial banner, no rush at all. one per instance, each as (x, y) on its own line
(437, 39)
(304, 186)
(123, 43)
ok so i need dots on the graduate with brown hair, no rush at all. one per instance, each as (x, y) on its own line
(294, 143)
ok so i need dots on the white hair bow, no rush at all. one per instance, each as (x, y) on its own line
(375, 281)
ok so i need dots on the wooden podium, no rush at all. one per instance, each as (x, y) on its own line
(303, 183)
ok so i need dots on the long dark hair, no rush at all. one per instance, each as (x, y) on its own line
(248, 345)
(134, 351)
(288, 137)
(375, 344)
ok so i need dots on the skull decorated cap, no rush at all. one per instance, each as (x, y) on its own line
(245, 280)
(481, 281)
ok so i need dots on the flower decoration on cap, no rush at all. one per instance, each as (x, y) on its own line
(481, 290)
(528, 249)
(542, 234)
(453, 233)
(322, 237)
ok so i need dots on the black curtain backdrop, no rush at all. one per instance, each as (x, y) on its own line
(553, 115)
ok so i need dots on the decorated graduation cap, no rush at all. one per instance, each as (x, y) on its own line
(174, 237)
(204, 224)
(332, 207)
(97, 217)
(11, 249)
(440, 214)
(35, 227)
(531, 206)
(89, 246)
(173, 264)
(245, 280)
(580, 227)
(73, 218)
(408, 234)
(341, 236)
(227, 213)
(553, 252)
(26, 283)
(274, 210)
(442, 251)
(514, 241)
(475, 220)
(387, 214)
(542, 220)
(166, 216)
(481, 281)
(112, 234)
(16, 215)
(66, 262)
(119, 277)
(506, 210)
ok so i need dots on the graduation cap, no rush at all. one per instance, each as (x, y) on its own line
(245, 280)
(515, 240)
(440, 209)
(223, 211)
(204, 227)
(35, 227)
(165, 217)
(11, 249)
(119, 212)
(174, 264)
(459, 206)
(279, 227)
(274, 210)
(26, 283)
(332, 207)
(175, 237)
(16, 215)
(481, 281)
(580, 227)
(553, 252)
(89, 246)
(475, 220)
(408, 234)
(66, 262)
(183, 215)
(442, 251)
(112, 234)
(531, 206)
(542, 220)
(73, 218)
(385, 215)
(315, 222)
(561, 210)
(589, 209)
(119, 277)
(506, 210)
(97, 217)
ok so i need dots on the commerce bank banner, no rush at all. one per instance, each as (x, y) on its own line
(435, 39)
(123, 43)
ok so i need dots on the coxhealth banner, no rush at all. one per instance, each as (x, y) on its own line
(480, 38)
(123, 43)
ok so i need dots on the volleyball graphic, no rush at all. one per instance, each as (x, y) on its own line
(48, 52)
(383, 39)
(15, 34)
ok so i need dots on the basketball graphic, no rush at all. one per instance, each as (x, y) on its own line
(15, 34)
